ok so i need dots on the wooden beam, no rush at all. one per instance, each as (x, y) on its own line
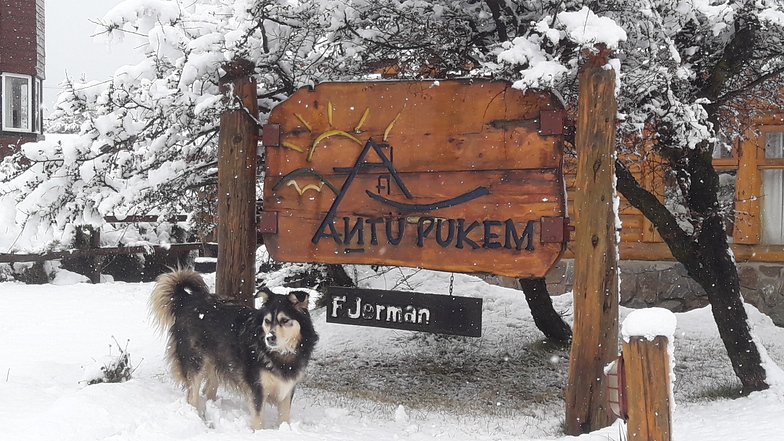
(237, 141)
(146, 218)
(647, 368)
(595, 341)
(92, 252)
(748, 185)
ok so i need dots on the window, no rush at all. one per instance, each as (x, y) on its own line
(773, 188)
(17, 110)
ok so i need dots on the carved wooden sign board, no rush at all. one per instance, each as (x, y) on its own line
(453, 175)
(409, 311)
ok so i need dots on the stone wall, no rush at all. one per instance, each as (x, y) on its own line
(666, 284)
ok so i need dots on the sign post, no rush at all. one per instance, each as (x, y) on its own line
(236, 269)
(595, 334)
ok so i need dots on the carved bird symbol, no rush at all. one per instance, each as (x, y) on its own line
(316, 187)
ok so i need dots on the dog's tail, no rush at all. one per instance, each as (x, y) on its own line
(171, 290)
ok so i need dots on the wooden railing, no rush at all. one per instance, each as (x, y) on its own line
(96, 252)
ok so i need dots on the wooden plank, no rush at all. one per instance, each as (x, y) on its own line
(520, 196)
(145, 218)
(478, 252)
(437, 117)
(510, 192)
(652, 181)
(647, 367)
(758, 253)
(748, 187)
(368, 160)
(91, 252)
(631, 235)
(631, 221)
(236, 231)
(595, 341)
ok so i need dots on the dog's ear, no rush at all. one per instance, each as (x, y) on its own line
(264, 293)
(300, 300)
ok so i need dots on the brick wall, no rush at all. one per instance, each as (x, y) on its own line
(22, 51)
(19, 37)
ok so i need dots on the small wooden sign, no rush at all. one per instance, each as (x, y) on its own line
(405, 310)
(453, 175)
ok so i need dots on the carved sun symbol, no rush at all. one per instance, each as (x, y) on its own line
(335, 132)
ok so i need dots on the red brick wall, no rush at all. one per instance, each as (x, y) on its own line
(22, 51)
(10, 142)
(20, 31)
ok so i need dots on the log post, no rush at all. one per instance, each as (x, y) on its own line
(595, 333)
(237, 141)
(96, 263)
(647, 367)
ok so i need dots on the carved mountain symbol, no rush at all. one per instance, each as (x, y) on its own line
(386, 163)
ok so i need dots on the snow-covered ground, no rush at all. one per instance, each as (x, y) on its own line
(365, 383)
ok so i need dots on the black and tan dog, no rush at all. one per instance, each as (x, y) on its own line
(261, 353)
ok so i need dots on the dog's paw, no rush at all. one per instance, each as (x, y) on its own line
(256, 422)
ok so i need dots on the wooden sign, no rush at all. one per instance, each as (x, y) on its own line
(459, 176)
(404, 310)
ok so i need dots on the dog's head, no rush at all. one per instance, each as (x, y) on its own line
(283, 319)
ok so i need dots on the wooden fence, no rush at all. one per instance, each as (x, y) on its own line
(97, 253)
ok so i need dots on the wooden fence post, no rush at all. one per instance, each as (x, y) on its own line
(96, 263)
(237, 141)
(647, 367)
(595, 334)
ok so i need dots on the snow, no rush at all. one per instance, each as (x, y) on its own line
(649, 323)
(541, 70)
(53, 335)
(587, 29)
(773, 16)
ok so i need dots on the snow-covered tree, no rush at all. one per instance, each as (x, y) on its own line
(686, 69)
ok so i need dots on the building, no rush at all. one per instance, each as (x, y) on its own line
(22, 63)
(751, 177)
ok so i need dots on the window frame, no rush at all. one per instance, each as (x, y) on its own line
(764, 162)
(38, 105)
(5, 107)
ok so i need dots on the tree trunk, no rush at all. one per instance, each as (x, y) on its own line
(718, 274)
(722, 284)
(706, 256)
(337, 276)
(545, 317)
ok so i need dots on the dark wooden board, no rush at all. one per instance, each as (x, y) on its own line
(405, 310)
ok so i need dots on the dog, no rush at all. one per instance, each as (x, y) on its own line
(262, 353)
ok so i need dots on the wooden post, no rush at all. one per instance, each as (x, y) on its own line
(595, 334)
(748, 184)
(237, 141)
(96, 263)
(647, 366)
